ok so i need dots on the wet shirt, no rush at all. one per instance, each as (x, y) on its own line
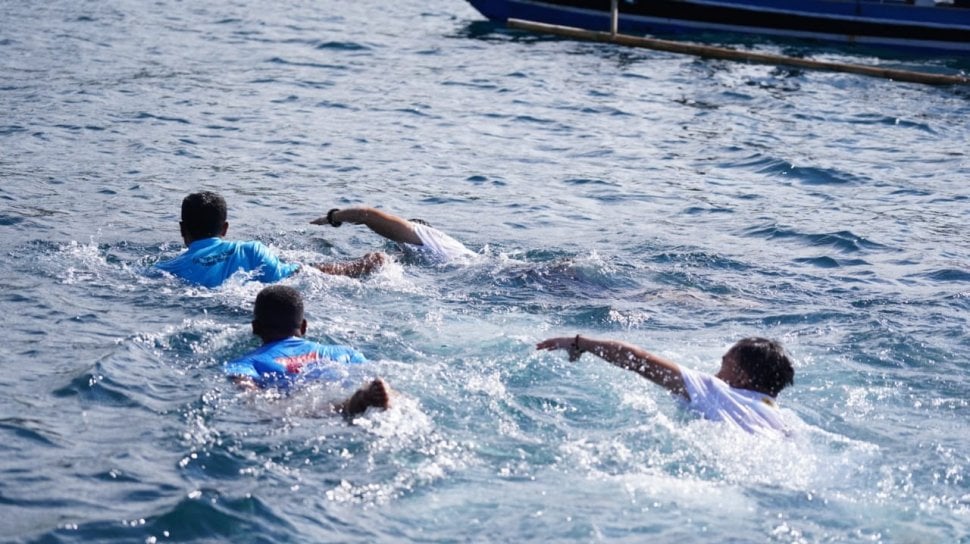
(283, 362)
(437, 246)
(750, 410)
(211, 261)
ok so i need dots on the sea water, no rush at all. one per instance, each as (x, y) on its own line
(675, 203)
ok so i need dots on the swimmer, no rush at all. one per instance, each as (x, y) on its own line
(414, 235)
(210, 260)
(742, 393)
(286, 357)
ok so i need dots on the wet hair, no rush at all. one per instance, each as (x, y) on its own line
(766, 363)
(419, 221)
(203, 214)
(278, 310)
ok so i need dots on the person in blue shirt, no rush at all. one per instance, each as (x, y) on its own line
(210, 260)
(286, 358)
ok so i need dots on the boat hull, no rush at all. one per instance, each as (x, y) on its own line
(881, 24)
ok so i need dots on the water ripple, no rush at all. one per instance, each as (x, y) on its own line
(282, 61)
(146, 115)
(32, 430)
(844, 241)
(810, 175)
(343, 46)
(949, 275)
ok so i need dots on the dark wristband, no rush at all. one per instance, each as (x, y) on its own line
(330, 218)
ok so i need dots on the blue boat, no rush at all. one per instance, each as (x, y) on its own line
(918, 25)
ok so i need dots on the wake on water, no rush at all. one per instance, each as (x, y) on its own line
(481, 399)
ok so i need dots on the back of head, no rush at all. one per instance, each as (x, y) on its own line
(278, 311)
(203, 214)
(766, 363)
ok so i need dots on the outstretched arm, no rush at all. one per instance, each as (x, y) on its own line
(388, 225)
(652, 367)
(356, 268)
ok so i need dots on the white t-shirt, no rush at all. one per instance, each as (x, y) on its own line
(750, 410)
(437, 245)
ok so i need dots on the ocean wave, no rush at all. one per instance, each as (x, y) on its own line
(844, 241)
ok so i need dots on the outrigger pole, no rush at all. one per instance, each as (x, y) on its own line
(614, 17)
(707, 51)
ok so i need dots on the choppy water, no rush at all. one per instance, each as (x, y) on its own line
(675, 203)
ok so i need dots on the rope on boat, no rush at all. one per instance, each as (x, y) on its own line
(708, 51)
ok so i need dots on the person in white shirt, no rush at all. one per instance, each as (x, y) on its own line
(742, 393)
(414, 235)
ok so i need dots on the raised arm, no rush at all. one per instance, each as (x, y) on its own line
(388, 225)
(652, 367)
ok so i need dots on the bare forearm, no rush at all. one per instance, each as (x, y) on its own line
(385, 224)
(630, 357)
(339, 269)
(356, 268)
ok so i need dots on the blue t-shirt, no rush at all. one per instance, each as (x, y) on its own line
(284, 361)
(211, 261)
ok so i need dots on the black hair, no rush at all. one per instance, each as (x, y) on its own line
(420, 222)
(766, 363)
(278, 310)
(203, 214)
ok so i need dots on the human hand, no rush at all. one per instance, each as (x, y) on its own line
(328, 219)
(245, 383)
(375, 259)
(568, 343)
